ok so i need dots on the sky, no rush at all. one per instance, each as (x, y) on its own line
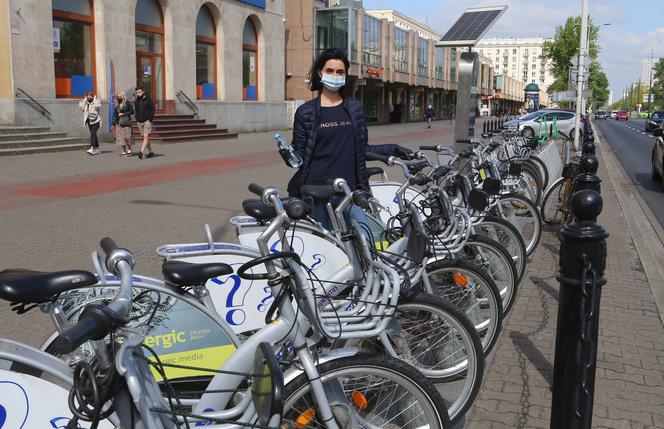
(637, 26)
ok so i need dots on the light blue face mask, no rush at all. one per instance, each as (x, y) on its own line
(333, 83)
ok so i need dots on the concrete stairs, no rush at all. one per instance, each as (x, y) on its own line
(20, 140)
(180, 128)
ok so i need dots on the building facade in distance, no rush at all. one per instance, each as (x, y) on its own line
(224, 55)
(396, 69)
(518, 58)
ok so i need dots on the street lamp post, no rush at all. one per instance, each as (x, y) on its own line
(650, 85)
(581, 72)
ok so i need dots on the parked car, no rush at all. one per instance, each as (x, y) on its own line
(622, 115)
(613, 114)
(655, 121)
(601, 114)
(657, 158)
(530, 125)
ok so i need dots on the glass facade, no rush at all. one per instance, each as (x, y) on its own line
(249, 62)
(73, 57)
(332, 29)
(422, 56)
(206, 66)
(453, 65)
(400, 50)
(149, 50)
(353, 35)
(372, 41)
(148, 12)
(440, 63)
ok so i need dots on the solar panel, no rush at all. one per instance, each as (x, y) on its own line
(472, 25)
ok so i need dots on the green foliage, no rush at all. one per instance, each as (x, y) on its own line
(564, 47)
(658, 86)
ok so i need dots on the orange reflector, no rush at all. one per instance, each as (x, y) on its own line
(533, 183)
(306, 417)
(460, 279)
(360, 400)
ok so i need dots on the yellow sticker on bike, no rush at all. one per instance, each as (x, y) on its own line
(482, 174)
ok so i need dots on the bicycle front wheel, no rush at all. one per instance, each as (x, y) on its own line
(473, 291)
(523, 214)
(367, 391)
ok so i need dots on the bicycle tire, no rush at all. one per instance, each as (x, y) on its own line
(509, 237)
(536, 176)
(482, 304)
(368, 366)
(513, 208)
(543, 169)
(552, 203)
(498, 263)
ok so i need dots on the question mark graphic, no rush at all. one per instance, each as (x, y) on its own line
(263, 306)
(235, 299)
(3, 416)
(320, 261)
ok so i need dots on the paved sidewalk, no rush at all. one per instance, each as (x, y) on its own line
(629, 389)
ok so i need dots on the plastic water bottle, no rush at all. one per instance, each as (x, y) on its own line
(289, 156)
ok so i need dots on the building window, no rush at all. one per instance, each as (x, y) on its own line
(422, 56)
(150, 50)
(514, 59)
(206, 55)
(453, 65)
(440, 63)
(400, 50)
(534, 74)
(525, 51)
(332, 30)
(249, 61)
(513, 66)
(514, 51)
(372, 41)
(73, 55)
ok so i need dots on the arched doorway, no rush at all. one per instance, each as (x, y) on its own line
(206, 55)
(249, 61)
(150, 50)
(73, 47)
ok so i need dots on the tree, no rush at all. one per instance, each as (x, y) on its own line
(565, 46)
(658, 83)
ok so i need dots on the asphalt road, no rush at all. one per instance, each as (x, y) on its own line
(633, 147)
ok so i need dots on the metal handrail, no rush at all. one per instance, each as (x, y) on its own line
(43, 110)
(191, 104)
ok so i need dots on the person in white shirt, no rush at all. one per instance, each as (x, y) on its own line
(91, 106)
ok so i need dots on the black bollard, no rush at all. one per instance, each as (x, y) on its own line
(589, 137)
(588, 148)
(581, 277)
(484, 127)
(587, 177)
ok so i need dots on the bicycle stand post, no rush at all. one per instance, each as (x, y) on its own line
(581, 276)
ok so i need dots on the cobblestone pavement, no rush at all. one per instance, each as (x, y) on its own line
(629, 389)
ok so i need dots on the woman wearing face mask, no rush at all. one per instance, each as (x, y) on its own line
(91, 106)
(330, 133)
(122, 123)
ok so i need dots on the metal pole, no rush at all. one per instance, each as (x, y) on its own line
(631, 95)
(638, 96)
(650, 85)
(581, 73)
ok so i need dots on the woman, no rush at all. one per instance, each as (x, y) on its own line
(123, 110)
(91, 106)
(330, 133)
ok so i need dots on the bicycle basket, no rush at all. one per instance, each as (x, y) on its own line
(570, 171)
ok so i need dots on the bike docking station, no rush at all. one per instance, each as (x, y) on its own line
(583, 252)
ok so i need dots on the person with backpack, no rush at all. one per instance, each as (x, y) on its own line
(144, 109)
(91, 106)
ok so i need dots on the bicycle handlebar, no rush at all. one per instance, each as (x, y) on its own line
(108, 245)
(371, 156)
(436, 148)
(466, 141)
(256, 189)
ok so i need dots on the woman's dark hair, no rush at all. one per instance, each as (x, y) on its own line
(319, 63)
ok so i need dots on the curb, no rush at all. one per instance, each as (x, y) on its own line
(646, 232)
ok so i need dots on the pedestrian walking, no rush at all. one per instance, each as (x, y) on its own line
(330, 135)
(91, 106)
(144, 110)
(429, 114)
(122, 123)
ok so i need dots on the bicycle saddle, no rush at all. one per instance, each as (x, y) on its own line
(27, 286)
(374, 171)
(185, 274)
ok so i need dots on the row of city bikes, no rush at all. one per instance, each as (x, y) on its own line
(383, 320)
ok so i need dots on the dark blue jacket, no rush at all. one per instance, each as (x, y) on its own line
(305, 127)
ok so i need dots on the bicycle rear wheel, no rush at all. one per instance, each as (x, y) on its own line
(508, 236)
(370, 391)
(552, 204)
